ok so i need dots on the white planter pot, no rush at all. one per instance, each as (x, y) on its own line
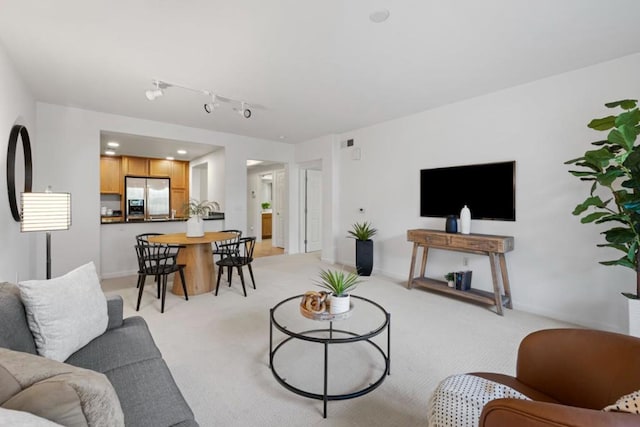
(195, 227)
(339, 305)
(634, 317)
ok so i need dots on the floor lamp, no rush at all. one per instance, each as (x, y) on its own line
(48, 212)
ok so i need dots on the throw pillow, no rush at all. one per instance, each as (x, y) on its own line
(65, 394)
(65, 313)
(627, 403)
(10, 417)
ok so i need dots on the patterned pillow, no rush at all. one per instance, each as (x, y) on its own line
(627, 403)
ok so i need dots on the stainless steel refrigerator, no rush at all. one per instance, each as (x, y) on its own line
(147, 198)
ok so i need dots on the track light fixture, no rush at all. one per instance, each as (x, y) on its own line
(242, 106)
(157, 91)
(210, 106)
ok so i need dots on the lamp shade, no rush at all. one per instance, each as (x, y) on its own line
(45, 211)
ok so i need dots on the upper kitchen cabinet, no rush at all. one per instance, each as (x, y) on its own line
(110, 175)
(177, 170)
(135, 166)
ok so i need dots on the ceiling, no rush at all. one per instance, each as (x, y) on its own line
(318, 67)
(144, 146)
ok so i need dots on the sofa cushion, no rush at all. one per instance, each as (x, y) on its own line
(66, 312)
(130, 343)
(15, 333)
(62, 393)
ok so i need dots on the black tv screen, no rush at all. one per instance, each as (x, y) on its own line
(488, 190)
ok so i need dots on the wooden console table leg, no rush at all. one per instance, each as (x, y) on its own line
(423, 266)
(496, 286)
(505, 279)
(413, 264)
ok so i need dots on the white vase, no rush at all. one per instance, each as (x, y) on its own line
(339, 305)
(634, 316)
(195, 227)
(465, 220)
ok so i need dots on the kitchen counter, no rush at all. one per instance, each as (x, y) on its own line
(217, 216)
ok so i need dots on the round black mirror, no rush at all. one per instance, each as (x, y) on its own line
(18, 134)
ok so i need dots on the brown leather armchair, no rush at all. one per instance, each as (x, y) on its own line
(570, 375)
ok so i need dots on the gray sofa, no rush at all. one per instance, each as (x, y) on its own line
(126, 354)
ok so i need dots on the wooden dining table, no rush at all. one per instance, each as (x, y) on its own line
(195, 254)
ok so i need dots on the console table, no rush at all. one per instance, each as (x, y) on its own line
(494, 247)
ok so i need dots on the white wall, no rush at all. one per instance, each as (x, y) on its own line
(215, 169)
(69, 161)
(17, 106)
(554, 269)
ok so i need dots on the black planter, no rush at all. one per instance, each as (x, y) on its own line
(364, 257)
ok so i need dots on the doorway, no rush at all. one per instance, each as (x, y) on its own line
(267, 206)
(311, 209)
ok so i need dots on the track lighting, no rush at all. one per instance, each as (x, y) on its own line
(242, 107)
(155, 93)
(209, 107)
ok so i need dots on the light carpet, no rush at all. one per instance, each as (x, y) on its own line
(217, 348)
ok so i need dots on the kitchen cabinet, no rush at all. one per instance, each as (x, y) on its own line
(179, 197)
(110, 175)
(177, 170)
(135, 166)
(160, 167)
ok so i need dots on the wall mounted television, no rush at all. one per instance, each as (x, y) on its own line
(488, 190)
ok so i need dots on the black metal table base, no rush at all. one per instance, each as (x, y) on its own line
(351, 337)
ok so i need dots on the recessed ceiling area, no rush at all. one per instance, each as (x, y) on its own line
(156, 148)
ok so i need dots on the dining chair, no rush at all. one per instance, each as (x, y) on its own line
(143, 239)
(155, 260)
(237, 255)
(222, 246)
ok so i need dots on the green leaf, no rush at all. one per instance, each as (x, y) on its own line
(593, 216)
(630, 118)
(616, 137)
(609, 176)
(591, 201)
(604, 123)
(626, 104)
(622, 261)
(599, 158)
(619, 235)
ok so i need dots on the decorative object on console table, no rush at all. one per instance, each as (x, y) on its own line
(465, 220)
(451, 279)
(362, 233)
(339, 284)
(451, 225)
(463, 280)
(195, 210)
(613, 167)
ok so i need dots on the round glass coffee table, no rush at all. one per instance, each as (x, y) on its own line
(360, 356)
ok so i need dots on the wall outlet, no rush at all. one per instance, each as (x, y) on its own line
(465, 261)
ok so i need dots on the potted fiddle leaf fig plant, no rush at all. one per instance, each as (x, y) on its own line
(613, 168)
(196, 210)
(339, 284)
(362, 233)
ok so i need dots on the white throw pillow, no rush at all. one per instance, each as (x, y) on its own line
(65, 313)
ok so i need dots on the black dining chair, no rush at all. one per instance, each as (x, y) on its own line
(222, 246)
(237, 255)
(155, 260)
(172, 254)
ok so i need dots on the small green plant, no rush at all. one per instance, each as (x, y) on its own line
(200, 208)
(338, 283)
(362, 231)
(450, 277)
(266, 205)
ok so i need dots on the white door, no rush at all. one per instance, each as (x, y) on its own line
(279, 208)
(313, 211)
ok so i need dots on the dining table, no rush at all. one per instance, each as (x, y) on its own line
(196, 255)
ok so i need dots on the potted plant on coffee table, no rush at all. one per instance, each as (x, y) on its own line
(339, 284)
(613, 168)
(362, 233)
(195, 210)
